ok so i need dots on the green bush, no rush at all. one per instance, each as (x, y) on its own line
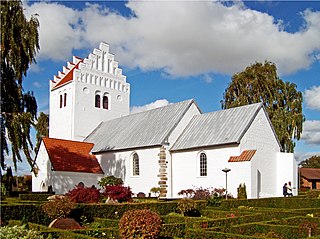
(60, 207)
(186, 206)
(32, 212)
(110, 181)
(140, 224)
(313, 194)
(242, 191)
(20, 232)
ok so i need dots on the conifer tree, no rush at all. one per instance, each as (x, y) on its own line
(19, 45)
(283, 102)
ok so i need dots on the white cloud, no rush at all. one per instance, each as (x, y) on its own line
(36, 84)
(301, 156)
(182, 38)
(153, 105)
(311, 132)
(60, 31)
(312, 98)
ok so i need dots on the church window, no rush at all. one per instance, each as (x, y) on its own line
(203, 164)
(65, 99)
(105, 102)
(97, 101)
(61, 101)
(135, 165)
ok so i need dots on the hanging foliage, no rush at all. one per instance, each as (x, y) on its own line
(19, 45)
(283, 102)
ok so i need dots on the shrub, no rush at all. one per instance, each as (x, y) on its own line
(313, 194)
(186, 206)
(84, 195)
(110, 181)
(119, 193)
(60, 207)
(201, 194)
(242, 191)
(156, 191)
(18, 232)
(187, 193)
(140, 224)
(308, 226)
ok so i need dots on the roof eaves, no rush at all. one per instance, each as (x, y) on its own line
(126, 149)
(203, 147)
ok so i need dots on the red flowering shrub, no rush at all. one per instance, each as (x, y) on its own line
(140, 224)
(202, 194)
(84, 195)
(187, 193)
(119, 193)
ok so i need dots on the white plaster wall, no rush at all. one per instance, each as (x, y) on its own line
(87, 117)
(60, 123)
(185, 169)
(119, 164)
(62, 182)
(192, 111)
(287, 171)
(43, 163)
(261, 137)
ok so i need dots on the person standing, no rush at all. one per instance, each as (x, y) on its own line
(284, 189)
(289, 189)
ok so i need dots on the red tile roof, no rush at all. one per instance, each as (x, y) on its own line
(71, 156)
(68, 77)
(246, 155)
(310, 173)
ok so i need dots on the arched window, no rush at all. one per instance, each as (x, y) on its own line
(65, 99)
(97, 101)
(61, 101)
(135, 165)
(105, 102)
(203, 164)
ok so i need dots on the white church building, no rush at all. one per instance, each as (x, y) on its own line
(93, 135)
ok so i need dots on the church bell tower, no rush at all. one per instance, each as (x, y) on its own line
(87, 92)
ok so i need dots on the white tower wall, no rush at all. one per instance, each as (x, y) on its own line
(98, 74)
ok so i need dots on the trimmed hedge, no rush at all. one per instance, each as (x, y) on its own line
(285, 202)
(115, 211)
(284, 231)
(35, 197)
(28, 212)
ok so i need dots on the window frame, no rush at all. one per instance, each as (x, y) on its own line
(135, 165)
(105, 105)
(203, 164)
(97, 101)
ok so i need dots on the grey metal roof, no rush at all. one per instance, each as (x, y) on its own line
(217, 128)
(149, 128)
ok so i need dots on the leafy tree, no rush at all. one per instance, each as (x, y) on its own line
(283, 102)
(312, 162)
(19, 45)
(42, 127)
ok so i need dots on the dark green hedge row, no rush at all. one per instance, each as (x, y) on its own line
(295, 220)
(33, 212)
(284, 231)
(35, 197)
(285, 202)
(27, 212)
(207, 234)
(115, 211)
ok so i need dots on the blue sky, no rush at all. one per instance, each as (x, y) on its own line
(173, 51)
